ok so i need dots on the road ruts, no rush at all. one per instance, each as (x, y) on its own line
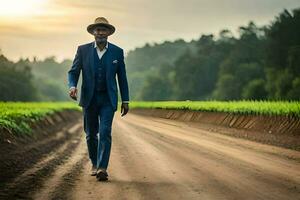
(155, 158)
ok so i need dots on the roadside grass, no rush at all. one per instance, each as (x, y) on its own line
(271, 108)
(16, 116)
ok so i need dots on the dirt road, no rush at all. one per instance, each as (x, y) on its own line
(155, 158)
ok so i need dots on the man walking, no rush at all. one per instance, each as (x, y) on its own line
(100, 61)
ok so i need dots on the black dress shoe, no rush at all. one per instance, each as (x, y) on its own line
(102, 176)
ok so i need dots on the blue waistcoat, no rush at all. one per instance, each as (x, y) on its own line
(100, 69)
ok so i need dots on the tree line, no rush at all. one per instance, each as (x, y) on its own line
(262, 63)
(37, 80)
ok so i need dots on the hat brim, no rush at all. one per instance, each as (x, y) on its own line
(91, 27)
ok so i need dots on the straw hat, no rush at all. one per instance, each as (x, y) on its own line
(101, 21)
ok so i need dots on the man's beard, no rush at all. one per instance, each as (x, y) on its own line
(101, 40)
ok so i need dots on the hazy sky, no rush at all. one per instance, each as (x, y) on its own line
(56, 27)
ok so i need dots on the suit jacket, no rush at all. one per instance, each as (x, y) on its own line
(83, 62)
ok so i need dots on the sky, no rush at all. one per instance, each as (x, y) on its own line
(44, 28)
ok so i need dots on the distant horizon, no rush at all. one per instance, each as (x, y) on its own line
(235, 34)
(38, 58)
(23, 33)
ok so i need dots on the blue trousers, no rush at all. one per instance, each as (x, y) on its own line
(98, 118)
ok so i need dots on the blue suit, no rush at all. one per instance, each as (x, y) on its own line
(99, 95)
(84, 60)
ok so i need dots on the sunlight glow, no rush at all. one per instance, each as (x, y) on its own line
(10, 8)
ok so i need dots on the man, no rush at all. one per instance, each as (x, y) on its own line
(100, 61)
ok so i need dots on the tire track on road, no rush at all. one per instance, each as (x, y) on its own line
(31, 180)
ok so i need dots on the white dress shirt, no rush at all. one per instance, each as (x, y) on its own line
(100, 54)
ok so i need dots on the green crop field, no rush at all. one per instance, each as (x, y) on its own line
(286, 108)
(16, 116)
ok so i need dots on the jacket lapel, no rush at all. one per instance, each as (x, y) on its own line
(108, 58)
(91, 58)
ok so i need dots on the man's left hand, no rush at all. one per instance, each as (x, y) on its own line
(124, 109)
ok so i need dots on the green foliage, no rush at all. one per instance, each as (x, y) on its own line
(33, 80)
(262, 63)
(147, 60)
(15, 82)
(286, 108)
(283, 56)
(295, 91)
(51, 90)
(144, 58)
(156, 88)
(228, 88)
(49, 78)
(16, 116)
(196, 73)
(255, 89)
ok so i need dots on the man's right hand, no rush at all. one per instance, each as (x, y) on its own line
(73, 93)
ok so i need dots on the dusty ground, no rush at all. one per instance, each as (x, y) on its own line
(278, 130)
(154, 158)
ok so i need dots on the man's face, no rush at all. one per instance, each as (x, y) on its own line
(101, 33)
